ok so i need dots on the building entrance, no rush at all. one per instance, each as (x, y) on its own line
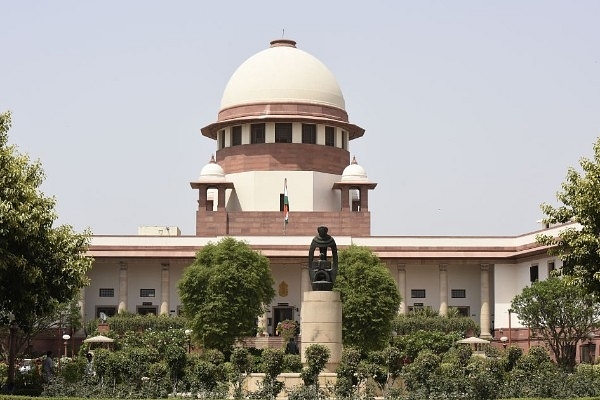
(281, 313)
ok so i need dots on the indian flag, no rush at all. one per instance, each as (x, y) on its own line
(286, 202)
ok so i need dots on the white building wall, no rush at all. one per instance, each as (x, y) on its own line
(104, 274)
(423, 277)
(260, 191)
(287, 275)
(176, 269)
(465, 277)
(143, 274)
(325, 199)
(510, 280)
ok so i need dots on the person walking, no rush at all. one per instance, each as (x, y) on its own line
(48, 367)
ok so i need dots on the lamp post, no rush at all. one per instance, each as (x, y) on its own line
(66, 339)
(188, 333)
(504, 339)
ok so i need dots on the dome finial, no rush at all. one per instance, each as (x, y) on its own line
(283, 43)
(212, 172)
(354, 172)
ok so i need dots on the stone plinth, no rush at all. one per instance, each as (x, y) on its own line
(321, 323)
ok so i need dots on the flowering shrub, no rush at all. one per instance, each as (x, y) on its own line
(287, 329)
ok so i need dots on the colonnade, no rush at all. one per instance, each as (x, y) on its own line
(484, 306)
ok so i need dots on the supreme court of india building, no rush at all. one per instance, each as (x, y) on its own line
(282, 118)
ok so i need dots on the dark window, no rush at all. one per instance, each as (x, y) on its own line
(257, 133)
(587, 353)
(551, 267)
(236, 136)
(458, 293)
(147, 293)
(464, 311)
(106, 292)
(417, 293)
(283, 133)
(533, 273)
(309, 133)
(221, 139)
(145, 310)
(109, 311)
(329, 136)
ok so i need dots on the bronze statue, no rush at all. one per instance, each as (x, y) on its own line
(322, 272)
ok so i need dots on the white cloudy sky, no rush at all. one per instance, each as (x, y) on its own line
(473, 110)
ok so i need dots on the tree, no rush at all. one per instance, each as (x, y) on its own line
(370, 299)
(41, 266)
(578, 246)
(224, 291)
(561, 313)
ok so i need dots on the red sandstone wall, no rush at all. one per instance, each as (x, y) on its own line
(283, 157)
(268, 223)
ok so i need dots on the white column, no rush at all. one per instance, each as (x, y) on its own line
(122, 287)
(402, 288)
(443, 289)
(164, 304)
(484, 315)
(262, 322)
(81, 304)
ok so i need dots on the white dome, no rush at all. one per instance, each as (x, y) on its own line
(212, 172)
(354, 173)
(282, 74)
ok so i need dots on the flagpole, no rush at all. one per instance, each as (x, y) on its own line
(285, 207)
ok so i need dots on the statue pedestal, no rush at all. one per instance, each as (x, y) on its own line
(321, 323)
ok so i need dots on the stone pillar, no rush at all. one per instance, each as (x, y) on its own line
(402, 288)
(164, 286)
(321, 323)
(345, 197)
(221, 198)
(202, 197)
(443, 289)
(123, 287)
(364, 198)
(484, 315)
(262, 323)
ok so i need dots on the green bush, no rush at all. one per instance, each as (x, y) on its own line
(292, 363)
(128, 322)
(272, 366)
(417, 375)
(73, 371)
(535, 375)
(429, 320)
(3, 373)
(437, 342)
(316, 358)
(348, 377)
